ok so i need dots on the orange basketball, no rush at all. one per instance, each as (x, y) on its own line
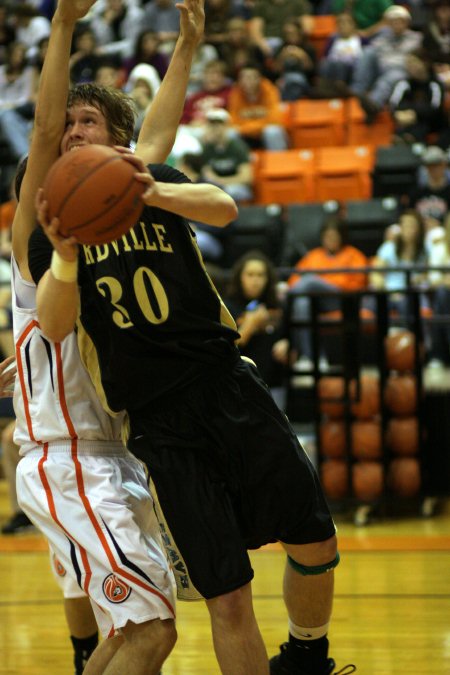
(333, 440)
(400, 394)
(366, 439)
(404, 476)
(94, 193)
(331, 392)
(368, 403)
(400, 350)
(334, 477)
(403, 435)
(367, 478)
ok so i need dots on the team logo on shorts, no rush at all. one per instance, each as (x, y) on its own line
(59, 568)
(115, 589)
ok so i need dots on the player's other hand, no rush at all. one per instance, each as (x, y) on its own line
(67, 247)
(192, 19)
(72, 10)
(7, 377)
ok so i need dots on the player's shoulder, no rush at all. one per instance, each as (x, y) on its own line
(167, 174)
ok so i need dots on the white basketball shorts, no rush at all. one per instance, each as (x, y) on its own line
(92, 503)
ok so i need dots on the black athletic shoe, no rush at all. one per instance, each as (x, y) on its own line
(18, 523)
(282, 664)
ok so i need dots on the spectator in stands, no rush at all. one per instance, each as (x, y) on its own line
(417, 102)
(7, 31)
(224, 160)
(238, 50)
(342, 51)
(333, 253)
(294, 62)
(269, 16)
(30, 26)
(108, 73)
(142, 85)
(253, 302)
(255, 110)
(436, 33)
(406, 250)
(146, 50)
(84, 60)
(214, 93)
(163, 17)
(382, 63)
(217, 15)
(117, 27)
(204, 55)
(17, 94)
(368, 14)
(440, 282)
(431, 196)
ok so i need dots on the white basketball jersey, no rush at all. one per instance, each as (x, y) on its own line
(54, 399)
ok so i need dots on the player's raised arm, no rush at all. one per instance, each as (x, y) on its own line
(160, 125)
(49, 122)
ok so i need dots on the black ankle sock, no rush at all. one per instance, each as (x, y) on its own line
(310, 654)
(83, 648)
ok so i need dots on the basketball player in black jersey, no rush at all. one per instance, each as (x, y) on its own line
(226, 466)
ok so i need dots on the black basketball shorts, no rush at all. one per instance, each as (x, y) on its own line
(230, 475)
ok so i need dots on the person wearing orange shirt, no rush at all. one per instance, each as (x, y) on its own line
(332, 254)
(255, 110)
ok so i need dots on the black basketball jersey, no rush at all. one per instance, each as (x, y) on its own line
(151, 321)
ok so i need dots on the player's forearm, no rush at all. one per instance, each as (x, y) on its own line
(57, 305)
(204, 203)
(160, 125)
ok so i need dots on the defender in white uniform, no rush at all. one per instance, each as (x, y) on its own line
(78, 483)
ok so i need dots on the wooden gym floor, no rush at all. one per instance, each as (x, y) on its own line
(391, 612)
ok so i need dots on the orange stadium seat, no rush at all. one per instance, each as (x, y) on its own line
(343, 173)
(378, 133)
(285, 176)
(322, 28)
(317, 123)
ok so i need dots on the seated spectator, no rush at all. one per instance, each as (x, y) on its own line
(204, 55)
(108, 73)
(224, 160)
(7, 31)
(406, 250)
(294, 62)
(440, 282)
(417, 103)
(116, 27)
(237, 51)
(217, 15)
(30, 26)
(436, 33)
(146, 50)
(382, 63)
(266, 24)
(342, 51)
(84, 60)
(431, 196)
(255, 110)
(17, 91)
(142, 85)
(253, 302)
(333, 253)
(163, 18)
(368, 14)
(213, 94)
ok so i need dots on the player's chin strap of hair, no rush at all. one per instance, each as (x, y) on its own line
(306, 570)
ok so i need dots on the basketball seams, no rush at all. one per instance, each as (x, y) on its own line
(103, 213)
(77, 186)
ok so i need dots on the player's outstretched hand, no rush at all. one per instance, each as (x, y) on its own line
(72, 10)
(192, 19)
(67, 247)
(7, 377)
